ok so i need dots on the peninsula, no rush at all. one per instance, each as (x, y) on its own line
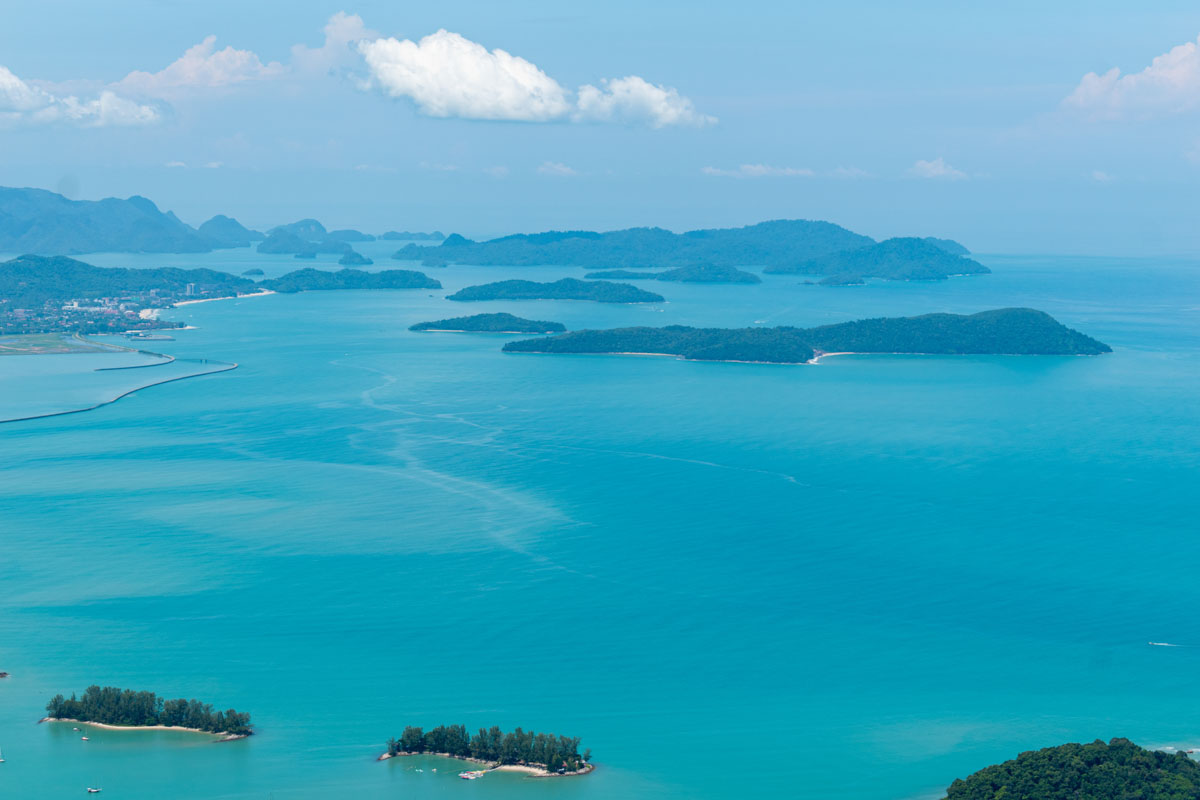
(490, 323)
(1096, 771)
(565, 289)
(698, 273)
(543, 754)
(1008, 331)
(111, 707)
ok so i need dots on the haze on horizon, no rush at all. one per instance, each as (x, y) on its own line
(1015, 129)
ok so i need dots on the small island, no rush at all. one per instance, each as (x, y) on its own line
(900, 259)
(252, 273)
(699, 273)
(1006, 331)
(110, 707)
(307, 280)
(565, 289)
(355, 259)
(1096, 771)
(540, 754)
(413, 236)
(490, 323)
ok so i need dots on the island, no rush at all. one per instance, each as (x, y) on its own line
(348, 235)
(565, 289)
(796, 246)
(490, 323)
(110, 707)
(309, 279)
(697, 273)
(253, 272)
(412, 236)
(227, 232)
(355, 259)
(900, 259)
(542, 754)
(1007, 331)
(1096, 771)
(285, 241)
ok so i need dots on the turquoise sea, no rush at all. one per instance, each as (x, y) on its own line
(860, 579)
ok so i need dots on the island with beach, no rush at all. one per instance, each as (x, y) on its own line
(537, 754)
(124, 709)
(490, 323)
(1006, 331)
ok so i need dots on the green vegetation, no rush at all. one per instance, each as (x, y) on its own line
(698, 273)
(37, 221)
(250, 273)
(412, 236)
(42, 343)
(778, 242)
(112, 706)
(225, 231)
(949, 245)
(491, 323)
(546, 750)
(1009, 331)
(284, 241)
(565, 289)
(1119, 770)
(306, 280)
(903, 259)
(349, 235)
(355, 259)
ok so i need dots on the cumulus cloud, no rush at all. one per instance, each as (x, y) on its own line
(633, 99)
(176, 164)
(203, 66)
(850, 173)
(759, 171)
(937, 168)
(448, 75)
(22, 103)
(343, 32)
(556, 168)
(1170, 84)
(498, 171)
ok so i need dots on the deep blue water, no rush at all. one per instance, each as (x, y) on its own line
(859, 579)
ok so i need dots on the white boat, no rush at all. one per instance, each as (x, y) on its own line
(94, 790)
(472, 775)
(83, 738)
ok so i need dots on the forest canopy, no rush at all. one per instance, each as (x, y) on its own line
(109, 705)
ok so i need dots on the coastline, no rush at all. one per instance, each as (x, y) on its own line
(465, 330)
(263, 293)
(527, 769)
(222, 735)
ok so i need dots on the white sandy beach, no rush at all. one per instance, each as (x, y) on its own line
(263, 293)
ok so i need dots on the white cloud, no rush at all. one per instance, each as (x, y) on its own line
(22, 103)
(447, 75)
(203, 66)
(759, 171)
(437, 167)
(556, 168)
(937, 168)
(343, 32)
(176, 164)
(498, 171)
(1100, 176)
(1170, 84)
(850, 173)
(632, 99)
(214, 165)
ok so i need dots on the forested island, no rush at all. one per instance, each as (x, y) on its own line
(902, 259)
(123, 708)
(697, 273)
(540, 753)
(1008, 331)
(565, 289)
(820, 248)
(307, 280)
(355, 259)
(490, 323)
(228, 232)
(1119, 770)
(413, 236)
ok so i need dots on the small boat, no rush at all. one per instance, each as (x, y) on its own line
(94, 790)
(83, 738)
(472, 775)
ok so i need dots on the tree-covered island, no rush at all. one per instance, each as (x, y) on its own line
(308, 280)
(565, 289)
(1007, 331)
(538, 753)
(1119, 770)
(490, 323)
(696, 273)
(125, 708)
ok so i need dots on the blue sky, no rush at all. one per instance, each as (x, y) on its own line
(937, 118)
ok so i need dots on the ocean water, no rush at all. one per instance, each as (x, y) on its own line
(860, 579)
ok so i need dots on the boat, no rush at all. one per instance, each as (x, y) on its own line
(1, 756)
(83, 738)
(94, 790)
(471, 775)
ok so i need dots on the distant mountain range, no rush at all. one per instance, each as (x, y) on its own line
(797, 246)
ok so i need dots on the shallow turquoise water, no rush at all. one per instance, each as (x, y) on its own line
(861, 579)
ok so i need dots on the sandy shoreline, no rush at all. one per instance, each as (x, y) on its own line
(224, 737)
(263, 293)
(535, 772)
(464, 330)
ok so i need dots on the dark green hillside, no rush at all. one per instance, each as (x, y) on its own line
(491, 323)
(565, 289)
(902, 259)
(307, 280)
